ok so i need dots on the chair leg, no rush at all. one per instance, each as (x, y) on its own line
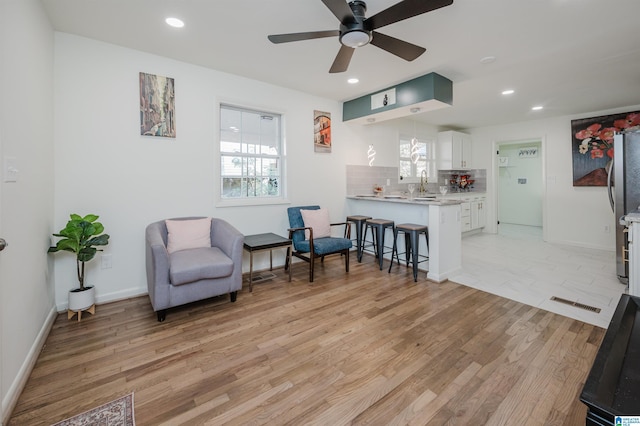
(162, 315)
(312, 261)
(415, 254)
(346, 262)
(407, 248)
(286, 260)
(234, 296)
(394, 250)
(380, 231)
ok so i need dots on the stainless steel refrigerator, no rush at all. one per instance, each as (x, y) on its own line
(624, 192)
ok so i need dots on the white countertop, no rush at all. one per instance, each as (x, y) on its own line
(438, 200)
(632, 217)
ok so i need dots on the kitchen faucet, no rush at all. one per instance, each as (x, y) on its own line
(423, 181)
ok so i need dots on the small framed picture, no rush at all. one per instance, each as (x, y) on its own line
(157, 106)
(321, 131)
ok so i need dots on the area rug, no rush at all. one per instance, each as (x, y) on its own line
(118, 412)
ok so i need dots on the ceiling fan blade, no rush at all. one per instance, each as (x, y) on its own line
(400, 48)
(285, 38)
(341, 63)
(403, 10)
(340, 9)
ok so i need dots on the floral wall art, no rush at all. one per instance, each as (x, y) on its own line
(157, 106)
(592, 145)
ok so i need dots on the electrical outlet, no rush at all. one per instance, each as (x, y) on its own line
(388, 182)
(607, 229)
(106, 261)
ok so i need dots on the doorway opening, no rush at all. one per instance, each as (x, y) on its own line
(519, 185)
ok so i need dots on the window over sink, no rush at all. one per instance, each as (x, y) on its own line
(415, 156)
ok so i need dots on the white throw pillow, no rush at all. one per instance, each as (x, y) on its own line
(188, 234)
(318, 220)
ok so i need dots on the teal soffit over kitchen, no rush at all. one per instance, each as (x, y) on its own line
(427, 93)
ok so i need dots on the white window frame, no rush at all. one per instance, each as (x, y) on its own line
(244, 200)
(429, 162)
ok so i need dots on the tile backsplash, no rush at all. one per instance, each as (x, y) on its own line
(362, 179)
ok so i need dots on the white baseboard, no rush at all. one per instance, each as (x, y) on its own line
(111, 297)
(15, 389)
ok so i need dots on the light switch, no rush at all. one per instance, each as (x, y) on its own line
(10, 169)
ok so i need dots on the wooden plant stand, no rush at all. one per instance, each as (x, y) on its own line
(91, 309)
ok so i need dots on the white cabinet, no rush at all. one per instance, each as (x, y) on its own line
(454, 150)
(478, 215)
(472, 214)
(465, 217)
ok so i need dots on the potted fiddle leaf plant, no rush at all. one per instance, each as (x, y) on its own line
(80, 236)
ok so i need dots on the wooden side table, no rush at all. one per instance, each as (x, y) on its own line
(268, 241)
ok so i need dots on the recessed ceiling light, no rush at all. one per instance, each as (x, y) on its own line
(488, 59)
(174, 22)
(353, 80)
(508, 92)
(536, 108)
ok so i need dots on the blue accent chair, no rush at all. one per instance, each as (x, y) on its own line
(311, 249)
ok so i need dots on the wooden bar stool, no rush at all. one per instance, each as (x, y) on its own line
(412, 233)
(378, 228)
(358, 221)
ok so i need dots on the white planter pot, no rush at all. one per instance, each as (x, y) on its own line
(81, 300)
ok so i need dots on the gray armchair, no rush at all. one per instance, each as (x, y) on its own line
(187, 276)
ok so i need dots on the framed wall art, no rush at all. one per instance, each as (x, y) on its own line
(592, 145)
(157, 106)
(321, 131)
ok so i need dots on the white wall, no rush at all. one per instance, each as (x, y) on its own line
(573, 215)
(26, 133)
(104, 166)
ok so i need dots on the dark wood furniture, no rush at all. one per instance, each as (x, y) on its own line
(311, 249)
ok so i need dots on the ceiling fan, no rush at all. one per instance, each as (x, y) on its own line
(357, 31)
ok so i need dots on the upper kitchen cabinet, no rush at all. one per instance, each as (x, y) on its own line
(454, 150)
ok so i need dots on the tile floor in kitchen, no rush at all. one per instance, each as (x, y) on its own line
(517, 264)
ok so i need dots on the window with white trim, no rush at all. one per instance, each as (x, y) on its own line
(251, 154)
(411, 164)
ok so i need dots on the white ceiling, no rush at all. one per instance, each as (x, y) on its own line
(570, 56)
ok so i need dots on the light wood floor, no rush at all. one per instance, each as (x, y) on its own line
(364, 348)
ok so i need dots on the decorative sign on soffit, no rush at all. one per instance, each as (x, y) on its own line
(427, 93)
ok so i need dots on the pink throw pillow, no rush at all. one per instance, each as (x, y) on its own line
(318, 220)
(188, 234)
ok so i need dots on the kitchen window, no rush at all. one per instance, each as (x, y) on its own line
(424, 156)
(251, 155)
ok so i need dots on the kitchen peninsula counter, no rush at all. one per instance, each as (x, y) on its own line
(438, 200)
(442, 215)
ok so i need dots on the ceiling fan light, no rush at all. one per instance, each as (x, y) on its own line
(355, 38)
